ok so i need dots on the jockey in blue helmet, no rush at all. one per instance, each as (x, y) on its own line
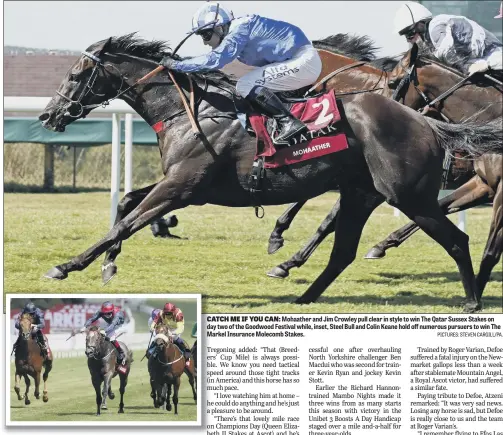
(38, 324)
(265, 55)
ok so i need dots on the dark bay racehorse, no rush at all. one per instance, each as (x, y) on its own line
(480, 100)
(102, 363)
(165, 367)
(384, 138)
(29, 361)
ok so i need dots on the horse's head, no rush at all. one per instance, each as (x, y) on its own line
(87, 84)
(25, 323)
(403, 68)
(94, 339)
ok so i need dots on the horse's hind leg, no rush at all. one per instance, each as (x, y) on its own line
(122, 390)
(126, 205)
(430, 218)
(473, 192)
(17, 384)
(494, 245)
(282, 224)
(27, 382)
(355, 208)
(167, 195)
(298, 259)
(37, 385)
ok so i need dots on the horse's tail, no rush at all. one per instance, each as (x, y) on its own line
(469, 137)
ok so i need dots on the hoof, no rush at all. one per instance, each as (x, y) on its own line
(275, 245)
(156, 405)
(111, 396)
(104, 407)
(98, 414)
(303, 301)
(172, 221)
(472, 307)
(27, 402)
(375, 253)
(45, 399)
(37, 396)
(278, 272)
(108, 272)
(56, 273)
(168, 407)
(121, 411)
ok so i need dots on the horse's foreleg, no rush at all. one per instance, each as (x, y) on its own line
(96, 380)
(355, 208)
(122, 390)
(17, 385)
(176, 387)
(473, 192)
(494, 245)
(107, 385)
(127, 204)
(282, 224)
(48, 368)
(326, 227)
(190, 374)
(152, 392)
(27, 382)
(168, 398)
(37, 385)
(167, 195)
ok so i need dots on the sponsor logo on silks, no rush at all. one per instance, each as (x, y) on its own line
(312, 149)
(310, 135)
(276, 72)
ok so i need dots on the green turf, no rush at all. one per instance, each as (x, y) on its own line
(225, 258)
(72, 397)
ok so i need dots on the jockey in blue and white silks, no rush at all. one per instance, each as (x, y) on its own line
(265, 55)
(114, 317)
(38, 324)
(451, 33)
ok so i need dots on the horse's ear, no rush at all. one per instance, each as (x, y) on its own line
(105, 47)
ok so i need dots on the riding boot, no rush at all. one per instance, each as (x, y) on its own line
(41, 343)
(185, 351)
(121, 359)
(270, 105)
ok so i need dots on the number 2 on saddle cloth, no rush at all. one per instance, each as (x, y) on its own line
(321, 115)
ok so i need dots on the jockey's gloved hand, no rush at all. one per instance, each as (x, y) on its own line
(167, 62)
(107, 338)
(35, 328)
(83, 329)
(478, 67)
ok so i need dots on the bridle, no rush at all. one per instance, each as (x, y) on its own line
(88, 88)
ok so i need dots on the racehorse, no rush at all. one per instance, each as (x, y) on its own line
(213, 166)
(481, 100)
(102, 363)
(29, 361)
(165, 367)
(432, 76)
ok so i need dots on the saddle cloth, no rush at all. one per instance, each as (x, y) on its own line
(320, 114)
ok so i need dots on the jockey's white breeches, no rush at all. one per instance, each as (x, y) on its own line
(495, 58)
(301, 70)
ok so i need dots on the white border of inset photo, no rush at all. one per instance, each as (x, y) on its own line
(84, 423)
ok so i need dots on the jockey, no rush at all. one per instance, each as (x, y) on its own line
(115, 318)
(265, 55)
(38, 324)
(172, 317)
(451, 33)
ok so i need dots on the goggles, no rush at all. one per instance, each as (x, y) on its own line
(206, 34)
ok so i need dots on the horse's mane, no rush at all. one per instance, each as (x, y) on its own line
(155, 50)
(94, 328)
(453, 61)
(356, 47)
(26, 316)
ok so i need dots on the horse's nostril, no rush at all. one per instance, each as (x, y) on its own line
(44, 117)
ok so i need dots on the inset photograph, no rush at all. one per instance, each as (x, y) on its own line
(108, 360)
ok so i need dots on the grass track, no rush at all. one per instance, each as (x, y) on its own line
(225, 258)
(72, 397)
